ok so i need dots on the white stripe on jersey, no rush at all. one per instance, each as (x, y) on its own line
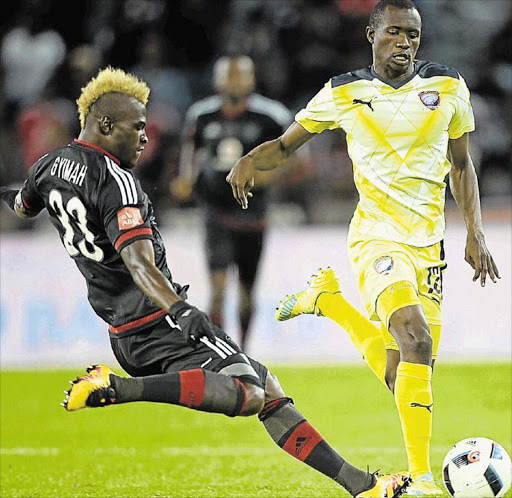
(131, 181)
(227, 346)
(124, 181)
(222, 346)
(245, 358)
(127, 179)
(206, 342)
(172, 323)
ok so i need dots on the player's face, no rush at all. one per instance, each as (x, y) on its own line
(128, 135)
(395, 41)
(234, 78)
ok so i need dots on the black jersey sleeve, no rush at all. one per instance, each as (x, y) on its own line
(32, 200)
(124, 209)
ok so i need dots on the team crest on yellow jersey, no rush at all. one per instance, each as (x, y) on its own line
(430, 99)
(383, 265)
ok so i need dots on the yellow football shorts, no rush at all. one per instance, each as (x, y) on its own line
(391, 276)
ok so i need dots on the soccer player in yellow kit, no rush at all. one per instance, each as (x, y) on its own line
(407, 125)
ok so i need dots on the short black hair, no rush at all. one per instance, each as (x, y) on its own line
(378, 10)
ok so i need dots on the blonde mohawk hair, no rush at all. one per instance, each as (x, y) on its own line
(110, 80)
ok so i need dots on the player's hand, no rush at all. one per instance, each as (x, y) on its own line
(181, 189)
(241, 179)
(193, 322)
(480, 259)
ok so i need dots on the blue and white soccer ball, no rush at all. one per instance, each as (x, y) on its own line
(477, 468)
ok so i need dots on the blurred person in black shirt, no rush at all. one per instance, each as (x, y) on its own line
(218, 131)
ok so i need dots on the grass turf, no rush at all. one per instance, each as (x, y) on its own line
(155, 450)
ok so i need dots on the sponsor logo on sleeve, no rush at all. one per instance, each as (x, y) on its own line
(129, 217)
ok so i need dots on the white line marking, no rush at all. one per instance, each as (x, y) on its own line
(29, 451)
(209, 451)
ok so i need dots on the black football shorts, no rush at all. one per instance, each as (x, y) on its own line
(163, 348)
(226, 246)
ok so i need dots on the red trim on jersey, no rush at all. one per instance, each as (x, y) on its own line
(136, 323)
(26, 205)
(132, 233)
(302, 441)
(192, 388)
(97, 147)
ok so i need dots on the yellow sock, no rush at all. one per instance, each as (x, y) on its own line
(363, 333)
(413, 397)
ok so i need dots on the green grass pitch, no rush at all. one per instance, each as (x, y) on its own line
(145, 450)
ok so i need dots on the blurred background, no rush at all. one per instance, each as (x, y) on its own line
(50, 49)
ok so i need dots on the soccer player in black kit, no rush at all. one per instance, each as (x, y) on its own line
(218, 131)
(172, 350)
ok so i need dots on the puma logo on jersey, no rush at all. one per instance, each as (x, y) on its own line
(369, 103)
(419, 405)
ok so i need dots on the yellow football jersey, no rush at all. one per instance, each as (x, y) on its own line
(397, 138)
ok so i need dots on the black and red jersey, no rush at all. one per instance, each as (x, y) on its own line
(98, 208)
(219, 141)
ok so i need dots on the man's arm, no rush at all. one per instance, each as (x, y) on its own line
(266, 156)
(181, 187)
(464, 187)
(139, 258)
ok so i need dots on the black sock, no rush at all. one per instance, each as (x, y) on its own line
(198, 389)
(295, 435)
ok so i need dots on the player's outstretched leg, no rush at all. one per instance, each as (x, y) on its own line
(295, 435)
(323, 297)
(198, 389)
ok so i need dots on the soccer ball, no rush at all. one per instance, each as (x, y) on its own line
(477, 468)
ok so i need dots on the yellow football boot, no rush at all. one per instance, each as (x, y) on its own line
(304, 302)
(387, 486)
(92, 390)
(424, 486)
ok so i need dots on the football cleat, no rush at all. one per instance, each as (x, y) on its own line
(304, 302)
(424, 486)
(387, 486)
(92, 390)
